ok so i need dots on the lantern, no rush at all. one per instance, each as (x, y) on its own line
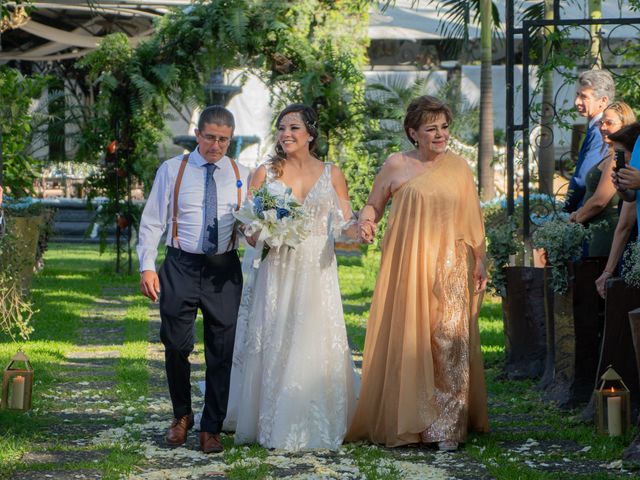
(613, 405)
(17, 384)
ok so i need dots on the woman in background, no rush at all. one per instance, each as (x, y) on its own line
(600, 199)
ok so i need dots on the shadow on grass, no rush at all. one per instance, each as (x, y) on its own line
(364, 294)
(349, 261)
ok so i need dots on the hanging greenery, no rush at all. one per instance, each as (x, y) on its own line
(17, 92)
(309, 52)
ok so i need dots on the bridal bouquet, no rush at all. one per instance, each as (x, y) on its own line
(276, 215)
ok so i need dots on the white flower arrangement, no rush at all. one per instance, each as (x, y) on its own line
(274, 213)
(631, 269)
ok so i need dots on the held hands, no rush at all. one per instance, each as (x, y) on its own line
(150, 284)
(367, 230)
(253, 239)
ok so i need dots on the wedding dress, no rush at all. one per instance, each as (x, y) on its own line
(292, 381)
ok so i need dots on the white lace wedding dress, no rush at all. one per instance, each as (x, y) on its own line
(292, 382)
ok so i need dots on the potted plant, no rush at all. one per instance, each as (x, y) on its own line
(576, 313)
(520, 285)
(522, 315)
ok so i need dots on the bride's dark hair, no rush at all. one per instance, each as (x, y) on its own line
(310, 120)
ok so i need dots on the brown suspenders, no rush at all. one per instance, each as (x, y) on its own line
(176, 191)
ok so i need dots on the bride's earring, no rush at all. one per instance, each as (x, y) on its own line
(310, 139)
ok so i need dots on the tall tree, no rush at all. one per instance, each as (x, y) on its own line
(485, 146)
(595, 12)
(546, 150)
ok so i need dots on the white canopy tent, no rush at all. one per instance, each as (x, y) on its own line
(403, 20)
(420, 19)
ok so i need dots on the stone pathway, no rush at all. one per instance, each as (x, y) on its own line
(80, 405)
(89, 422)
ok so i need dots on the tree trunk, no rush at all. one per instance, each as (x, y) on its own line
(485, 147)
(595, 12)
(546, 151)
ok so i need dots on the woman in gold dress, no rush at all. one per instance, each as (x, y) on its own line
(422, 373)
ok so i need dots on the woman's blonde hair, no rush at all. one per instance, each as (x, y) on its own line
(310, 120)
(624, 111)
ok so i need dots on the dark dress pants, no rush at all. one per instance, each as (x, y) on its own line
(213, 284)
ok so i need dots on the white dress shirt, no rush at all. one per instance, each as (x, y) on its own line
(157, 214)
(594, 120)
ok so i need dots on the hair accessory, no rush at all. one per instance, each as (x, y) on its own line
(239, 183)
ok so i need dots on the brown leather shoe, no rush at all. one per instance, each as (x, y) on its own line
(177, 433)
(210, 443)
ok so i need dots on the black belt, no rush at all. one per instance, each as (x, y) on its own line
(218, 260)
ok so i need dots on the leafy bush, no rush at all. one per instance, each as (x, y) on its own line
(502, 242)
(504, 232)
(631, 269)
(562, 242)
(16, 94)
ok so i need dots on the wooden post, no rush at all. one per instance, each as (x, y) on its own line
(524, 322)
(578, 325)
(549, 362)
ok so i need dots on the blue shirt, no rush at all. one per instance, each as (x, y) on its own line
(635, 162)
(593, 150)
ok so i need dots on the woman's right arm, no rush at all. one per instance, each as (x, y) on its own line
(621, 235)
(600, 198)
(372, 212)
(380, 192)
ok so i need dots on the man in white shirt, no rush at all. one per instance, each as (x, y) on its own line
(194, 197)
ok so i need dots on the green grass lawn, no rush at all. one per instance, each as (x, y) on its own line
(63, 292)
(75, 278)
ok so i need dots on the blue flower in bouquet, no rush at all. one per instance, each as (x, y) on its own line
(282, 213)
(258, 206)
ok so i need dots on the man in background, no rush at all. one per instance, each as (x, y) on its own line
(596, 89)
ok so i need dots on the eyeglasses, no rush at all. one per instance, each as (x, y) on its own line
(608, 123)
(222, 141)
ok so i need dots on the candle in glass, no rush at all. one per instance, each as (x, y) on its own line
(17, 392)
(614, 416)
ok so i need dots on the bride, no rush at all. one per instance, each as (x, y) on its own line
(292, 381)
